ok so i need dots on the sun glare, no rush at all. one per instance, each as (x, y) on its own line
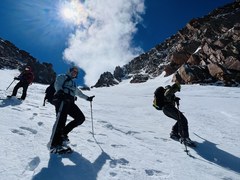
(72, 11)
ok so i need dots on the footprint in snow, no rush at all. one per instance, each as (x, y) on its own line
(17, 132)
(17, 109)
(103, 122)
(113, 174)
(40, 123)
(33, 131)
(165, 139)
(33, 164)
(91, 141)
(34, 114)
(118, 145)
(121, 161)
(33, 105)
(152, 172)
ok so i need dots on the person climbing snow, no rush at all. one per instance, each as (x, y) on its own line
(180, 128)
(25, 79)
(64, 101)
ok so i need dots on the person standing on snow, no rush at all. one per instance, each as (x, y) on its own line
(25, 79)
(64, 98)
(180, 128)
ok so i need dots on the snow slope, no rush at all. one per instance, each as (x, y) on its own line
(131, 138)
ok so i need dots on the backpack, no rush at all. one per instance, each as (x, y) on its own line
(50, 91)
(158, 101)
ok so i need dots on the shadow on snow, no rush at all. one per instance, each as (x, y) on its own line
(9, 102)
(210, 152)
(81, 168)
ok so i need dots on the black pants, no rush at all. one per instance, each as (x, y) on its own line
(69, 108)
(20, 84)
(181, 126)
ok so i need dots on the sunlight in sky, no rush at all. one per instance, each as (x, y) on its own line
(100, 33)
(73, 12)
(48, 21)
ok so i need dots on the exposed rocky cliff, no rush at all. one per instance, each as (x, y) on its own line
(13, 58)
(206, 50)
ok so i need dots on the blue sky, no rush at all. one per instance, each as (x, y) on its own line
(99, 36)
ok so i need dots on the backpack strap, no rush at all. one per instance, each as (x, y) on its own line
(66, 80)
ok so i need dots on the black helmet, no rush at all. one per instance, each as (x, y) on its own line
(176, 86)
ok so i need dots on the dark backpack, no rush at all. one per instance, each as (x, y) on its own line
(158, 101)
(50, 91)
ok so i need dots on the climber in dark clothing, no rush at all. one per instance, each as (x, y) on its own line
(180, 128)
(25, 79)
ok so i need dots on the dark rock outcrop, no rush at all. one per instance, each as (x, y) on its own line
(106, 80)
(13, 58)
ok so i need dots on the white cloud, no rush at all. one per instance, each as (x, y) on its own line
(104, 41)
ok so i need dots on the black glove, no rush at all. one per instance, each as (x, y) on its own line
(16, 78)
(177, 99)
(90, 98)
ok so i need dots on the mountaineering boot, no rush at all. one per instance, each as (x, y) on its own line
(60, 149)
(187, 142)
(65, 140)
(174, 136)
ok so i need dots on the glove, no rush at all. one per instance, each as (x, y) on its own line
(177, 99)
(16, 78)
(90, 98)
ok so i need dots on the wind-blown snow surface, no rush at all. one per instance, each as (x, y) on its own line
(131, 138)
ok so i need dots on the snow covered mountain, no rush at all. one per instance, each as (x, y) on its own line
(131, 139)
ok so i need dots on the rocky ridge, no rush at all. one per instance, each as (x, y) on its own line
(205, 51)
(13, 58)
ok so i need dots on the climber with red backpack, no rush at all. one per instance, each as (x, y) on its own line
(25, 79)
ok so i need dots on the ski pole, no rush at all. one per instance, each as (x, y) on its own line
(56, 124)
(93, 128)
(92, 117)
(44, 102)
(10, 84)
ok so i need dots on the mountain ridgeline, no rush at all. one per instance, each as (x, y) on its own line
(206, 51)
(13, 58)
